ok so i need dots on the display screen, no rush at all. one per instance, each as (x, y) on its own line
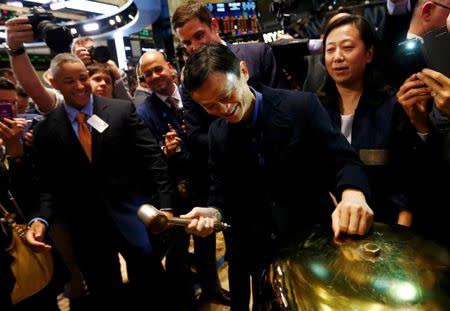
(235, 18)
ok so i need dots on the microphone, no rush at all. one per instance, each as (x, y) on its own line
(157, 221)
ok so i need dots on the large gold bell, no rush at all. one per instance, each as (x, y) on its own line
(391, 268)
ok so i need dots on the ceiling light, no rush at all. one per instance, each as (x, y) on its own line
(39, 1)
(91, 6)
(91, 27)
(118, 19)
(55, 6)
(130, 16)
(73, 31)
(17, 4)
(112, 22)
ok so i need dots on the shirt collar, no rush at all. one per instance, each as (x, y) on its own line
(175, 94)
(257, 108)
(413, 36)
(88, 110)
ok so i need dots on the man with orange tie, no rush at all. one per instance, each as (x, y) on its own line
(96, 163)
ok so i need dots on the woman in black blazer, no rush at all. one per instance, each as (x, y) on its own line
(367, 113)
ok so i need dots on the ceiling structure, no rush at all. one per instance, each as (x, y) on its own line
(66, 10)
(130, 16)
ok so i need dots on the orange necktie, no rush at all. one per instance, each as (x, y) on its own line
(84, 134)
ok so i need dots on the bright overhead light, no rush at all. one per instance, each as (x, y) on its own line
(17, 4)
(112, 22)
(118, 19)
(73, 31)
(91, 6)
(91, 27)
(55, 6)
(130, 16)
(40, 1)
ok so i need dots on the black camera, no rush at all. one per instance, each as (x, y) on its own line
(57, 37)
(100, 53)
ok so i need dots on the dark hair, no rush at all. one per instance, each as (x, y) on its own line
(373, 80)
(100, 67)
(328, 16)
(20, 91)
(188, 10)
(5, 84)
(213, 57)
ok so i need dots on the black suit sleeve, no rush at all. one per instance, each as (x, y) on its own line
(45, 178)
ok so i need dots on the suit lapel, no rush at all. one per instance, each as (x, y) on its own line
(62, 124)
(275, 121)
(66, 141)
(100, 109)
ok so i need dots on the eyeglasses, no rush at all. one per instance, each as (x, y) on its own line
(441, 5)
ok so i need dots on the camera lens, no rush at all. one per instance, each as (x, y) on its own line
(100, 54)
(57, 37)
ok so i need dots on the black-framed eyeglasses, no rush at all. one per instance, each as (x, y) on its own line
(441, 5)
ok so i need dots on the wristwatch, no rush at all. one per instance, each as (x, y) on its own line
(15, 52)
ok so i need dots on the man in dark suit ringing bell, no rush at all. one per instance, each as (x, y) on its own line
(192, 24)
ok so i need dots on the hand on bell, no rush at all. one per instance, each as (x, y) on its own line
(352, 215)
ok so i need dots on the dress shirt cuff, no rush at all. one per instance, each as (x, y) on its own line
(398, 8)
(45, 222)
(423, 136)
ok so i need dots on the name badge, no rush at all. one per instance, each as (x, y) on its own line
(374, 156)
(97, 123)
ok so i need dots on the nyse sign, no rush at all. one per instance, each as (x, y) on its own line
(272, 36)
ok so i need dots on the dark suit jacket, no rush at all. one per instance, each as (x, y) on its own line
(156, 116)
(126, 170)
(140, 95)
(260, 63)
(432, 181)
(380, 125)
(393, 30)
(300, 156)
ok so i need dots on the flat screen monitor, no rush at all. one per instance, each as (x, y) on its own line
(235, 19)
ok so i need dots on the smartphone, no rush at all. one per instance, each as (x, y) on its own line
(436, 48)
(411, 56)
(6, 111)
